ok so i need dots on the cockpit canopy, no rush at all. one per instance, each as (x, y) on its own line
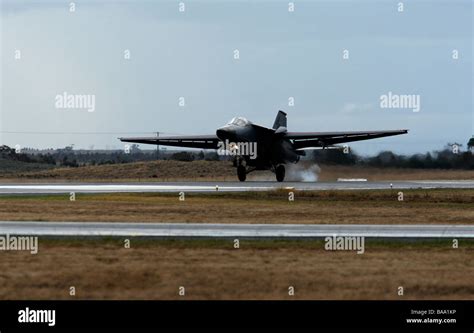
(239, 121)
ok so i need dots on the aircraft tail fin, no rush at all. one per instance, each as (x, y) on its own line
(280, 120)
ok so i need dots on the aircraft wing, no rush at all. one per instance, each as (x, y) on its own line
(322, 139)
(196, 141)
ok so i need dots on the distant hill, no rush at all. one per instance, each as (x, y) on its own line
(170, 170)
(159, 170)
(13, 163)
(8, 166)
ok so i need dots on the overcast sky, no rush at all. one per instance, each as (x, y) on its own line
(190, 54)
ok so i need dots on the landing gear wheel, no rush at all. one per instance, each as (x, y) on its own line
(241, 173)
(280, 173)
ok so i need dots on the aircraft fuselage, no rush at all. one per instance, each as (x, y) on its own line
(272, 148)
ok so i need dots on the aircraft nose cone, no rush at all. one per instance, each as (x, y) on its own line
(221, 133)
(225, 132)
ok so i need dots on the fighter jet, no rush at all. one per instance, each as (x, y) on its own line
(255, 147)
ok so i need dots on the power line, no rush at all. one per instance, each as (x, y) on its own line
(79, 133)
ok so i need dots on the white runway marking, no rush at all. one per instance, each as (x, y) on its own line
(42, 188)
(123, 188)
(104, 229)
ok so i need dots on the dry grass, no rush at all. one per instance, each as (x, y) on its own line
(221, 171)
(324, 207)
(105, 270)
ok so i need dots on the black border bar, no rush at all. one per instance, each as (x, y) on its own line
(386, 315)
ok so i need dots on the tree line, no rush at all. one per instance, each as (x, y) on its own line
(450, 157)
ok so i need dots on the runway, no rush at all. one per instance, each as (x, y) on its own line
(51, 188)
(185, 230)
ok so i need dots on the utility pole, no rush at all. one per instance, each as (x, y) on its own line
(157, 147)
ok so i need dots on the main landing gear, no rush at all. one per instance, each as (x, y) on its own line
(243, 170)
(280, 172)
(241, 173)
